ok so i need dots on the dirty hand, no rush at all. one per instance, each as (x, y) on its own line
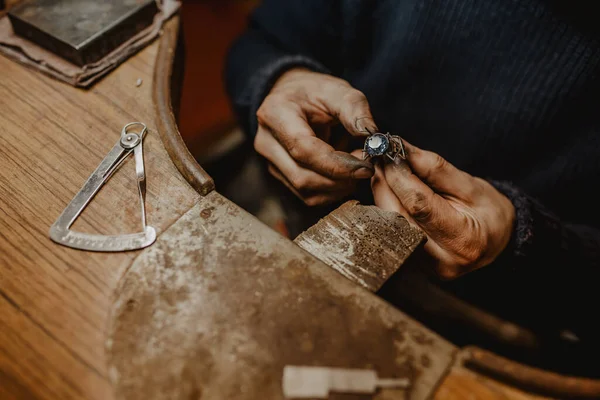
(294, 124)
(468, 223)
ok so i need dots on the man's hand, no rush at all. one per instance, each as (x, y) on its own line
(294, 124)
(467, 221)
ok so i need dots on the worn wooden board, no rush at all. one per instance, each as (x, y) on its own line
(364, 243)
(221, 303)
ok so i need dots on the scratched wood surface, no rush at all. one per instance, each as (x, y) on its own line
(363, 243)
(54, 300)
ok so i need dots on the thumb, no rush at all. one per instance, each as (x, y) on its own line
(351, 107)
(439, 174)
(421, 203)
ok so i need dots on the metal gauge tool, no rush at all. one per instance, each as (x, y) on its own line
(130, 142)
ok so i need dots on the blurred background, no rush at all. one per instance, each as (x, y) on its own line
(209, 26)
(206, 120)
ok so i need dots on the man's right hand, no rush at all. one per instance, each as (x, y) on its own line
(294, 123)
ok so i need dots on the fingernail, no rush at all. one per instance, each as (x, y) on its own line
(363, 173)
(366, 125)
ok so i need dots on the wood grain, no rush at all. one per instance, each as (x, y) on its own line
(529, 377)
(463, 384)
(363, 243)
(54, 301)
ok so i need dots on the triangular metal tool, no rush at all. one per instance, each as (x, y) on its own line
(60, 232)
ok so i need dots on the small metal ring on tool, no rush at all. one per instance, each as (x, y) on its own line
(141, 134)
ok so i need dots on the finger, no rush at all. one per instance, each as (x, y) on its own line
(358, 154)
(385, 198)
(439, 174)
(314, 154)
(440, 264)
(350, 106)
(383, 195)
(300, 178)
(307, 183)
(429, 211)
(310, 199)
(281, 178)
(291, 129)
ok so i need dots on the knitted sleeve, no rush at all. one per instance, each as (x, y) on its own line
(281, 35)
(551, 259)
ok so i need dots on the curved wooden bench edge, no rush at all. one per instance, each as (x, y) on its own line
(527, 377)
(165, 118)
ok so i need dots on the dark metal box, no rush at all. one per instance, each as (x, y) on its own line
(81, 31)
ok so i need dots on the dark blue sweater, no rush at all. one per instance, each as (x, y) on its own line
(506, 90)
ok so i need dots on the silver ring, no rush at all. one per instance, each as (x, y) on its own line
(384, 144)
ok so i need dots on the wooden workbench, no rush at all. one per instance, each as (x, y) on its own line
(58, 306)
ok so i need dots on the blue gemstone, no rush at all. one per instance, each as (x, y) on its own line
(377, 144)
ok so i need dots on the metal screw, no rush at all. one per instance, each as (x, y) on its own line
(130, 140)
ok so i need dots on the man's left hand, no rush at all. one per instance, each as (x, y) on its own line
(468, 223)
